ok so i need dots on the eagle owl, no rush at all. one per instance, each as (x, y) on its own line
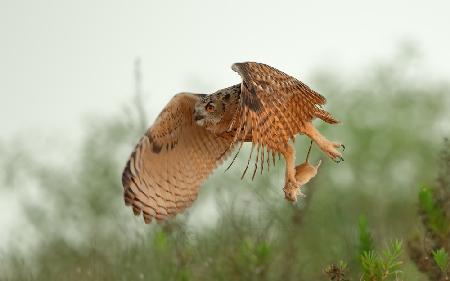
(194, 133)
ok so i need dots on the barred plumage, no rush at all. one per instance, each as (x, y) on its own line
(194, 133)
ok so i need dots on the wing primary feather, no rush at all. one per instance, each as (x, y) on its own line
(248, 162)
(262, 160)
(235, 138)
(255, 138)
(241, 132)
(241, 124)
(256, 161)
(233, 120)
(235, 156)
(238, 129)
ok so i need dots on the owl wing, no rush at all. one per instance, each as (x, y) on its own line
(163, 174)
(274, 105)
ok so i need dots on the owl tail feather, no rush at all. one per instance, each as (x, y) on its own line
(325, 116)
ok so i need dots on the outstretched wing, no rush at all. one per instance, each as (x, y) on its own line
(274, 105)
(163, 174)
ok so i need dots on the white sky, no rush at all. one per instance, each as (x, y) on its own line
(62, 59)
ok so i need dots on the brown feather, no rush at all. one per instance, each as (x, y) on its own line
(163, 174)
(275, 104)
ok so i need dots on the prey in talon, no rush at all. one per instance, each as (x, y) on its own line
(303, 174)
(195, 133)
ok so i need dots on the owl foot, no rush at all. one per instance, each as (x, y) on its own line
(327, 146)
(330, 149)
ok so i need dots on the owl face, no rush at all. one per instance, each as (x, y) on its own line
(209, 110)
(219, 107)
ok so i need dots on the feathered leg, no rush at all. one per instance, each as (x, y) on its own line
(290, 183)
(327, 146)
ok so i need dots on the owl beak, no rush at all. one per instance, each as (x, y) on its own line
(199, 119)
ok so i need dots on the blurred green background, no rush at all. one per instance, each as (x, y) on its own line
(77, 227)
(66, 220)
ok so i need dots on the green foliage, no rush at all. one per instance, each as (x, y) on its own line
(429, 247)
(366, 243)
(441, 258)
(434, 214)
(385, 266)
(375, 266)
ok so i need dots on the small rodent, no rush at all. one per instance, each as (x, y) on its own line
(305, 171)
(303, 174)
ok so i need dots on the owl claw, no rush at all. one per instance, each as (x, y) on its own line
(338, 159)
(331, 149)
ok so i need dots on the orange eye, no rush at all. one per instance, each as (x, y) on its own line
(209, 107)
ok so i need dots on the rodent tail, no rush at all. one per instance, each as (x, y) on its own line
(309, 150)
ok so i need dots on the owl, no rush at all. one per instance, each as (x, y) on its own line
(195, 133)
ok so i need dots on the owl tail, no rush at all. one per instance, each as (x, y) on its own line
(325, 116)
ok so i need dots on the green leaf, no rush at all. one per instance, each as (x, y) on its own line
(441, 258)
(385, 266)
(426, 200)
(366, 242)
(435, 216)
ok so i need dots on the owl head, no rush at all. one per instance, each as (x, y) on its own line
(210, 110)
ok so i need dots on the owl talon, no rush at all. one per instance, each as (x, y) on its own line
(331, 149)
(338, 159)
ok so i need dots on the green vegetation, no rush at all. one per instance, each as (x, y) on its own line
(382, 267)
(366, 243)
(77, 227)
(441, 258)
(373, 265)
(429, 246)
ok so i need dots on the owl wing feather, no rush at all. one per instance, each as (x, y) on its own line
(273, 106)
(163, 174)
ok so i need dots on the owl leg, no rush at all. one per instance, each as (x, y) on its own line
(291, 187)
(327, 146)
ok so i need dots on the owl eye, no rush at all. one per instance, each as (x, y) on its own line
(210, 107)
